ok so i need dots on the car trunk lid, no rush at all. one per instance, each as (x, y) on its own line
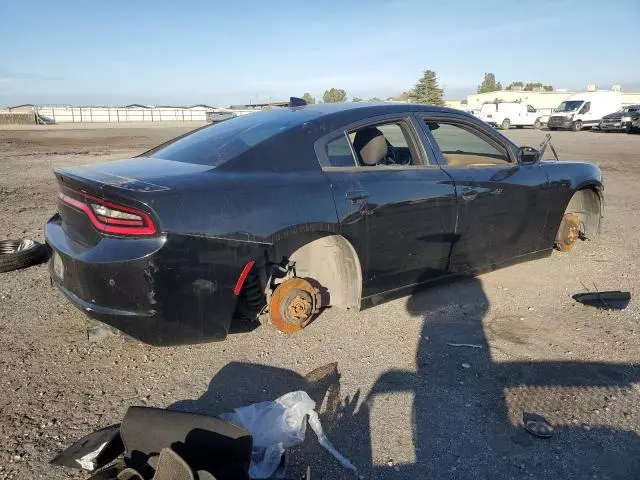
(108, 198)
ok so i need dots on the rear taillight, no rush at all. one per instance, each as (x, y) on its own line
(109, 217)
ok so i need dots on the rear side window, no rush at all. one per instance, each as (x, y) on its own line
(384, 144)
(339, 153)
(220, 142)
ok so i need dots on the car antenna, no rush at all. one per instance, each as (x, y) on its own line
(296, 102)
(543, 147)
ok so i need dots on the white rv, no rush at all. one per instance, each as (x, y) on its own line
(509, 114)
(584, 110)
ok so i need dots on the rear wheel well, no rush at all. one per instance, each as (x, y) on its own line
(331, 261)
(586, 204)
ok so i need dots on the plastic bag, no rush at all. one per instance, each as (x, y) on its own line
(278, 425)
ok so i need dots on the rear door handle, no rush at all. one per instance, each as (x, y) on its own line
(356, 195)
(469, 194)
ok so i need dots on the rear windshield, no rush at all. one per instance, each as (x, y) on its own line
(215, 144)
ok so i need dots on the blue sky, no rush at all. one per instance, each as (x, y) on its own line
(223, 52)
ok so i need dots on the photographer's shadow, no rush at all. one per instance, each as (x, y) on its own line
(464, 420)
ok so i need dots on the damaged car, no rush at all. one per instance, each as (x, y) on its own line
(282, 213)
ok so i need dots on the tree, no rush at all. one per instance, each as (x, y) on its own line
(530, 86)
(308, 98)
(334, 95)
(374, 100)
(356, 99)
(489, 84)
(427, 90)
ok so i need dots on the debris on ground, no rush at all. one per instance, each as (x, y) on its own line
(537, 425)
(613, 299)
(470, 345)
(278, 425)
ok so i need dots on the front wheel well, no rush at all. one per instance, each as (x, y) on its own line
(586, 204)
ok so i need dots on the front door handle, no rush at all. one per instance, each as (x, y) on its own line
(357, 195)
(469, 194)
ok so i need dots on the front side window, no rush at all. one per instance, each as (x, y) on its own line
(530, 109)
(462, 146)
(586, 107)
(385, 144)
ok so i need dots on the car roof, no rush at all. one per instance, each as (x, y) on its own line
(319, 110)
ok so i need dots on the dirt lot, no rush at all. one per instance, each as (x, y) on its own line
(405, 404)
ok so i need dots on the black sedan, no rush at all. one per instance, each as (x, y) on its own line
(292, 210)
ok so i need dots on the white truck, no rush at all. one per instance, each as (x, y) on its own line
(509, 114)
(584, 110)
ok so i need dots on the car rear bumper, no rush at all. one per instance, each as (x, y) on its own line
(162, 290)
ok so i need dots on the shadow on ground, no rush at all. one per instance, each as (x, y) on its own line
(460, 416)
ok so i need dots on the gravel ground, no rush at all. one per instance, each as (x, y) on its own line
(402, 402)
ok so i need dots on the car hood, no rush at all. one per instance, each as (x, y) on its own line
(618, 115)
(563, 114)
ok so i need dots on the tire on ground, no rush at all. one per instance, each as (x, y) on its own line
(16, 254)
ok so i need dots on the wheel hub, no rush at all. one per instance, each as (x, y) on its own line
(293, 305)
(569, 232)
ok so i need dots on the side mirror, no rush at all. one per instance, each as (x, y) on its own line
(528, 155)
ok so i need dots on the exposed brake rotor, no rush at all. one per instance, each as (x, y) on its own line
(293, 305)
(569, 232)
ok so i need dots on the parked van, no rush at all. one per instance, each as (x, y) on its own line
(508, 114)
(584, 110)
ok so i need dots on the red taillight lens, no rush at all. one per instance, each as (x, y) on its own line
(111, 217)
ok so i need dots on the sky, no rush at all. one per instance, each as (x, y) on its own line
(241, 51)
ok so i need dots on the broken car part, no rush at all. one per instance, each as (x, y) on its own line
(205, 443)
(613, 299)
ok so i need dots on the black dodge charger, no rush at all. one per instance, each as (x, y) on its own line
(292, 210)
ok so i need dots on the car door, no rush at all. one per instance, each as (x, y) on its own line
(531, 115)
(399, 213)
(587, 115)
(501, 203)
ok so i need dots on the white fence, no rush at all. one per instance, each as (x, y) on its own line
(120, 114)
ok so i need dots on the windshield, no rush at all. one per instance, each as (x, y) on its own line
(632, 108)
(215, 144)
(569, 106)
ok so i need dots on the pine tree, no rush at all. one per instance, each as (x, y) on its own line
(489, 84)
(427, 90)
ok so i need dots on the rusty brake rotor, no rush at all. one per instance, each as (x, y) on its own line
(569, 232)
(293, 305)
